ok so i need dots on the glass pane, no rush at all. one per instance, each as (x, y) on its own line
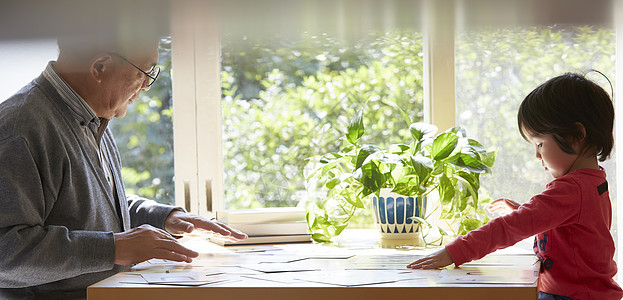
(145, 137)
(497, 68)
(288, 96)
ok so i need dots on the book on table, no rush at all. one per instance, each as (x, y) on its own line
(266, 239)
(261, 215)
(265, 225)
(281, 228)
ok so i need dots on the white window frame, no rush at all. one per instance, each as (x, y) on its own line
(197, 107)
(197, 93)
(197, 118)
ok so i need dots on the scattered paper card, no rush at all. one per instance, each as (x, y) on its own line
(488, 275)
(277, 258)
(354, 278)
(186, 278)
(394, 262)
(251, 249)
(488, 271)
(278, 267)
(478, 279)
(275, 277)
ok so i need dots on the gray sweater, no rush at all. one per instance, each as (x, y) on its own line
(57, 212)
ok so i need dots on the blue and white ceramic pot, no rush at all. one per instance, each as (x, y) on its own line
(392, 215)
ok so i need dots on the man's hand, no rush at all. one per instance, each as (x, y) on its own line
(146, 242)
(436, 260)
(179, 222)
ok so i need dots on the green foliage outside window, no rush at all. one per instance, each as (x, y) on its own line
(496, 69)
(284, 101)
(145, 138)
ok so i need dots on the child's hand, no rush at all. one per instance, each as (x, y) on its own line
(436, 260)
(502, 206)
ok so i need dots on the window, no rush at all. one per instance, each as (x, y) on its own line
(267, 56)
(289, 95)
(286, 101)
(501, 57)
(498, 62)
(145, 137)
(497, 68)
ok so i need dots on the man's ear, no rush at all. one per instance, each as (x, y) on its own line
(100, 64)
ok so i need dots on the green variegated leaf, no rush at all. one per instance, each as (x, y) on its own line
(476, 146)
(470, 162)
(398, 148)
(407, 186)
(422, 222)
(446, 190)
(364, 152)
(355, 128)
(420, 131)
(340, 228)
(468, 225)
(458, 131)
(370, 177)
(443, 145)
(489, 158)
(333, 182)
(422, 166)
(319, 237)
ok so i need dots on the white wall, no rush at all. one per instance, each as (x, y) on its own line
(21, 61)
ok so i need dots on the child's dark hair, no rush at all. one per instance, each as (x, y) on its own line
(557, 105)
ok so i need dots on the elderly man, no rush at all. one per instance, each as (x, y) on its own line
(66, 221)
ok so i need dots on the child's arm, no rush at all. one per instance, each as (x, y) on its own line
(558, 205)
(436, 260)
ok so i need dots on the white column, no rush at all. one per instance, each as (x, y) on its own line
(439, 107)
(184, 104)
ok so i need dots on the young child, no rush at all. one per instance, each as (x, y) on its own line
(569, 119)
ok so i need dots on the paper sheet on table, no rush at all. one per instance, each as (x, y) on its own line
(157, 261)
(252, 249)
(276, 258)
(318, 251)
(275, 277)
(490, 271)
(390, 262)
(278, 267)
(230, 270)
(163, 267)
(170, 271)
(478, 279)
(330, 256)
(185, 278)
(354, 278)
(488, 275)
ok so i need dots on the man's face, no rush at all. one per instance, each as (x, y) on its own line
(126, 82)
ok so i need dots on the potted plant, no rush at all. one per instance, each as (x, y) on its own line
(449, 164)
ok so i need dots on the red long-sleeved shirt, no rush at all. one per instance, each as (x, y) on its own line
(572, 220)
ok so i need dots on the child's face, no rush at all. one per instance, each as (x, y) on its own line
(553, 159)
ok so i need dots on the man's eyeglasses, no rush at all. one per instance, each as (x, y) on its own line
(152, 74)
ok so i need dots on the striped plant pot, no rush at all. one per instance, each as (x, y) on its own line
(393, 212)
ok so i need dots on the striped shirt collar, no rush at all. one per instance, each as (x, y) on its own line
(85, 114)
